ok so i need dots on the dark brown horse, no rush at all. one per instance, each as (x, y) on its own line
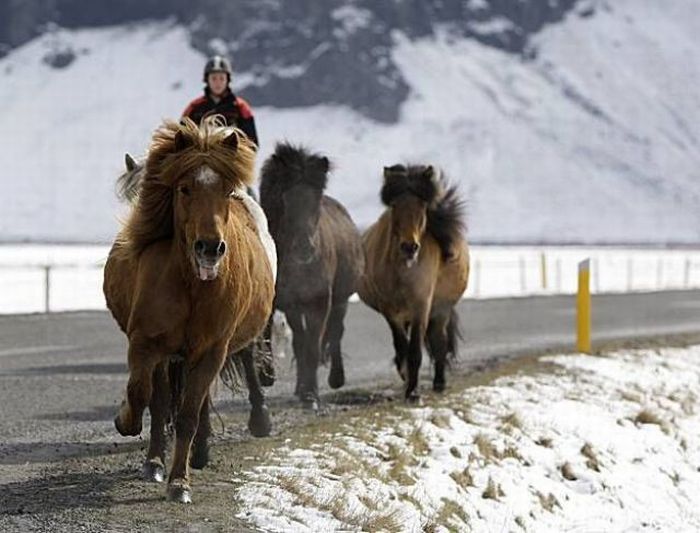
(320, 261)
(188, 275)
(417, 269)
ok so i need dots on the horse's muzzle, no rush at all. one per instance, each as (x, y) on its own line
(207, 254)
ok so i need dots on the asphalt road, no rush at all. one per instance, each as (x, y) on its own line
(64, 468)
(62, 376)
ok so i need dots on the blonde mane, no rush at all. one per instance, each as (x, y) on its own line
(176, 151)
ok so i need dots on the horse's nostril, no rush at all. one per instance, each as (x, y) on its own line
(199, 247)
(221, 249)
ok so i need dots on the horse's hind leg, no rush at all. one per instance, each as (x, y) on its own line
(200, 377)
(334, 334)
(316, 315)
(200, 446)
(142, 364)
(266, 363)
(436, 337)
(154, 466)
(259, 422)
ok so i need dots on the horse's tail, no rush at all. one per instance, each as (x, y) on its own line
(129, 183)
(454, 334)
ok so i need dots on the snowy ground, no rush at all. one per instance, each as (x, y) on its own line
(579, 443)
(76, 273)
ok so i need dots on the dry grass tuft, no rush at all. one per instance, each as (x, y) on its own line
(441, 420)
(646, 416)
(463, 478)
(592, 461)
(568, 472)
(545, 442)
(493, 491)
(401, 459)
(451, 510)
(520, 521)
(418, 441)
(486, 448)
(631, 396)
(512, 420)
(548, 502)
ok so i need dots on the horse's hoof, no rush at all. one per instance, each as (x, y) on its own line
(336, 378)
(200, 457)
(414, 399)
(124, 430)
(180, 492)
(439, 386)
(153, 471)
(259, 422)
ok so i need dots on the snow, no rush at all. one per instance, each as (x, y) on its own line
(496, 271)
(587, 443)
(594, 140)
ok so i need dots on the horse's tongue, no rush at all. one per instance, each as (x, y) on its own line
(207, 274)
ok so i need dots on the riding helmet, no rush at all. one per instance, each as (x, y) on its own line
(217, 64)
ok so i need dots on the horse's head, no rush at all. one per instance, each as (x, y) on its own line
(201, 213)
(186, 190)
(409, 192)
(299, 181)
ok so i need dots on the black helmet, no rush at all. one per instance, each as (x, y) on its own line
(217, 64)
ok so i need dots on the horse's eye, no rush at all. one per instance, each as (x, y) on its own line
(185, 190)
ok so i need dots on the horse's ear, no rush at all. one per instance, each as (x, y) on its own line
(394, 171)
(325, 164)
(129, 162)
(231, 141)
(182, 141)
(429, 172)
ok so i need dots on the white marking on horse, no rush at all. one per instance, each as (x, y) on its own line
(261, 223)
(207, 177)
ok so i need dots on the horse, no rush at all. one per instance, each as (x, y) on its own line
(417, 268)
(320, 262)
(192, 272)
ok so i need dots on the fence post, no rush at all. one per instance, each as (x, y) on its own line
(47, 288)
(543, 270)
(523, 282)
(583, 308)
(686, 273)
(596, 275)
(558, 273)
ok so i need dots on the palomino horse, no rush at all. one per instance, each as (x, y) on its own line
(320, 261)
(189, 275)
(417, 266)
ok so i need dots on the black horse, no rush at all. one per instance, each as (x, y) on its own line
(320, 261)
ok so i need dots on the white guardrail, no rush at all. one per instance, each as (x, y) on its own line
(73, 280)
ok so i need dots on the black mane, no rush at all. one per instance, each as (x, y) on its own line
(445, 211)
(291, 164)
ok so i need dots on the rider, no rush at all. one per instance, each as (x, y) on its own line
(218, 99)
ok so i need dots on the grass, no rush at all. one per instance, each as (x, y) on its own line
(463, 478)
(592, 461)
(441, 419)
(486, 448)
(493, 491)
(455, 452)
(451, 510)
(567, 471)
(548, 502)
(512, 420)
(646, 416)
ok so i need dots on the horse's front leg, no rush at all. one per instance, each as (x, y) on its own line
(143, 358)
(297, 323)
(202, 370)
(200, 446)
(316, 318)
(415, 356)
(154, 467)
(400, 339)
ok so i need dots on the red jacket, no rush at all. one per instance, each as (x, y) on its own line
(234, 109)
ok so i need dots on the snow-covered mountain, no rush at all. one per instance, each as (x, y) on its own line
(580, 122)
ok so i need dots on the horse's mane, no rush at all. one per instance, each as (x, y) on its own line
(445, 211)
(287, 166)
(176, 151)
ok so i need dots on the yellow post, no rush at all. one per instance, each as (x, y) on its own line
(583, 307)
(543, 270)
